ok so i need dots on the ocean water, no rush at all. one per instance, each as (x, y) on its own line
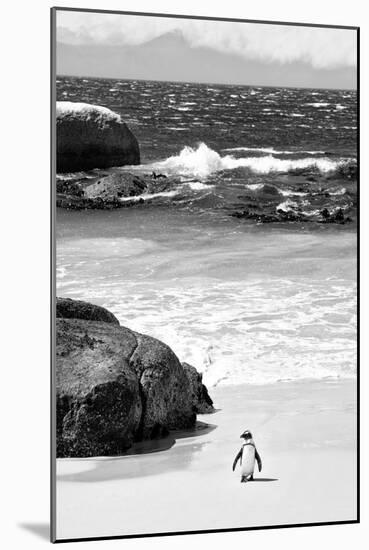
(233, 265)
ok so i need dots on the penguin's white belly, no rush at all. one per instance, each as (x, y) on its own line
(248, 460)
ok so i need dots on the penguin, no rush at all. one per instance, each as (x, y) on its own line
(247, 456)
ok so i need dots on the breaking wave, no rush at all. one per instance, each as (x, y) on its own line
(273, 151)
(203, 161)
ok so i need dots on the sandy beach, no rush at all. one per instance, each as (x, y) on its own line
(304, 432)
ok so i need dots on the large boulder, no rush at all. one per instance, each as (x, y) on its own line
(98, 403)
(201, 400)
(115, 386)
(90, 136)
(98, 400)
(77, 309)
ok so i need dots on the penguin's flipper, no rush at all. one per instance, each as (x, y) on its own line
(238, 456)
(258, 460)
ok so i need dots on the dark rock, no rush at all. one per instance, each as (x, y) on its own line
(82, 203)
(270, 190)
(69, 188)
(107, 192)
(165, 389)
(345, 170)
(155, 176)
(115, 386)
(67, 308)
(339, 216)
(98, 400)
(201, 399)
(256, 216)
(115, 186)
(325, 213)
(280, 216)
(90, 136)
(290, 216)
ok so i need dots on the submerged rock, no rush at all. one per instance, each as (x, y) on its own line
(115, 386)
(90, 136)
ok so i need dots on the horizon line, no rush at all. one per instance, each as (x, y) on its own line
(204, 83)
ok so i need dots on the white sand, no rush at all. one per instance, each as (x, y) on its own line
(305, 433)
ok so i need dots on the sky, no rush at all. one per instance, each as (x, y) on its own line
(161, 48)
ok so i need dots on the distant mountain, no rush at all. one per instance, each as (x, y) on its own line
(170, 57)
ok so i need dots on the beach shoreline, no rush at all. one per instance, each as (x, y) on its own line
(305, 433)
(245, 304)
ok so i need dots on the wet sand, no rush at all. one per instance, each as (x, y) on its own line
(305, 433)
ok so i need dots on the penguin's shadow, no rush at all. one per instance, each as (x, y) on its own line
(264, 479)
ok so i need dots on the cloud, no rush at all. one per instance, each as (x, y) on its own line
(320, 47)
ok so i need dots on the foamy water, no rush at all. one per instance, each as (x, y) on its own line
(201, 161)
(272, 151)
(271, 307)
(244, 333)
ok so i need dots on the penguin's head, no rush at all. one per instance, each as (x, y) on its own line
(246, 435)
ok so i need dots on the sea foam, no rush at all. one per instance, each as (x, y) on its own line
(273, 151)
(193, 185)
(148, 196)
